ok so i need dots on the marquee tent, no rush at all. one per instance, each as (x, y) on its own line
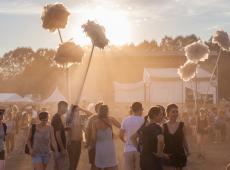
(163, 86)
(56, 96)
(13, 98)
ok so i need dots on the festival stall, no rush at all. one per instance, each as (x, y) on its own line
(163, 86)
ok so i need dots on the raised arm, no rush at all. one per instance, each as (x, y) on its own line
(88, 113)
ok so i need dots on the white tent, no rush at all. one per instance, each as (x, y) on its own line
(128, 93)
(165, 86)
(56, 96)
(13, 98)
(5, 96)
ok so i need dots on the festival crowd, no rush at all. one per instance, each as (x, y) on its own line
(156, 141)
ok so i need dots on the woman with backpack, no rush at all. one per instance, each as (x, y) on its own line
(150, 142)
(40, 138)
(102, 136)
(3, 129)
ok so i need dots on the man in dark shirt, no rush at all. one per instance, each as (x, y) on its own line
(60, 160)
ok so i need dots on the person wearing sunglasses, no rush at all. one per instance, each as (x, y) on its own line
(39, 142)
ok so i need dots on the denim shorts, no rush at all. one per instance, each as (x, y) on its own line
(41, 158)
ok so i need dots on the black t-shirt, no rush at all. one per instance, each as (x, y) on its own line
(58, 126)
(149, 136)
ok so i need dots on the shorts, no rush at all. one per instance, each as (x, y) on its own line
(41, 158)
(92, 154)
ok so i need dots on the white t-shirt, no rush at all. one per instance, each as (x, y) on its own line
(34, 114)
(130, 125)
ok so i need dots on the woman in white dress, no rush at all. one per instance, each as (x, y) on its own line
(103, 137)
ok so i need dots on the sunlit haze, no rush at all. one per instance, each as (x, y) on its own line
(116, 24)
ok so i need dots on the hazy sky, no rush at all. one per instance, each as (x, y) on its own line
(125, 20)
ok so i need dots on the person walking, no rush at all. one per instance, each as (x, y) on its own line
(176, 145)
(152, 141)
(11, 130)
(75, 135)
(88, 136)
(129, 127)
(105, 157)
(40, 138)
(202, 132)
(3, 132)
(61, 160)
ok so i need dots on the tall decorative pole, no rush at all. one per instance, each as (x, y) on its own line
(98, 38)
(195, 52)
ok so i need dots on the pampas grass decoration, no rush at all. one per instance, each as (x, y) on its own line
(197, 51)
(221, 38)
(69, 53)
(187, 71)
(54, 16)
(97, 34)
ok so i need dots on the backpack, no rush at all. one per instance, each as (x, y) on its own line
(33, 128)
(140, 135)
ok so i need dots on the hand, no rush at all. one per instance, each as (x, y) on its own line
(166, 156)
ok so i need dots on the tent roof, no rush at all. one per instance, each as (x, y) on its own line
(56, 96)
(170, 73)
(5, 96)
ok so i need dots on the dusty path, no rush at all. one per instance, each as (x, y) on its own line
(218, 155)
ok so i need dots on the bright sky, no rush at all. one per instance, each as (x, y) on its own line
(125, 20)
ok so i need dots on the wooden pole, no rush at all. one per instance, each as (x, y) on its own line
(85, 76)
(59, 33)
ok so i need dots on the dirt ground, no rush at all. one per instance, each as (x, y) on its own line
(218, 156)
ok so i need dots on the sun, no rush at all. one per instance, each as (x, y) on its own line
(116, 23)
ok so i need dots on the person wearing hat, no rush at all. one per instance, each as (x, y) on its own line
(39, 141)
(3, 129)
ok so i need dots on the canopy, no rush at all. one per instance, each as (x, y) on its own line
(165, 86)
(171, 74)
(56, 96)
